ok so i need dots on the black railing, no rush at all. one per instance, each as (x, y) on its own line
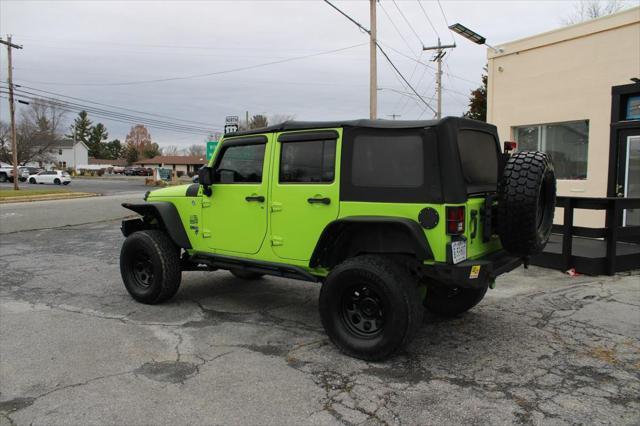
(595, 251)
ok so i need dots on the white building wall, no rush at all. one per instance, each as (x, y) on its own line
(67, 156)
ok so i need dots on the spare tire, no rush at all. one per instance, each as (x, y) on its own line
(526, 203)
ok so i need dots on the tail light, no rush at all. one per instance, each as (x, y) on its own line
(509, 146)
(455, 220)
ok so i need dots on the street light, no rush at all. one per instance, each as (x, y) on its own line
(472, 36)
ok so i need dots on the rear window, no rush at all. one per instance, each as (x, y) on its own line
(388, 162)
(479, 159)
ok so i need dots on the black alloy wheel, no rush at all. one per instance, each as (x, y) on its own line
(370, 307)
(362, 310)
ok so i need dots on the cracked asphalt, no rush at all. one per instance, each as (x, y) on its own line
(542, 348)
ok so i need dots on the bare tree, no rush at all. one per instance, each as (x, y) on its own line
(591, 9)
(280, 118)
(171, 150)
(38, 131)
(197, 150)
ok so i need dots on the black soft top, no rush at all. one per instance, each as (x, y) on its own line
(363, 123)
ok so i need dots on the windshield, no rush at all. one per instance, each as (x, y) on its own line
(479, 159)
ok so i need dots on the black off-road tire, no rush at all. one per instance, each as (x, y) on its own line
(526, 203)
(246, 275)
(383, 289)
(450, 302)
(154, 252)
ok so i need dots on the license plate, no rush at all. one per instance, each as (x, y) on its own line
(458, 251)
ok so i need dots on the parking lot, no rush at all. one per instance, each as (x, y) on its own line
(542, 347)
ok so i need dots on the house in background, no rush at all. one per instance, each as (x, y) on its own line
(574, 93)
(63, 154)
(187, 164)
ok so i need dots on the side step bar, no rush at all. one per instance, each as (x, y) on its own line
(218, 261)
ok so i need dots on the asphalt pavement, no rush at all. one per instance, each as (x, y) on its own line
(542, 348)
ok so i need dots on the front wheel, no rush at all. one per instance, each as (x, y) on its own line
(449, 302)
(370, 307)
(150, 266)
(32, 180)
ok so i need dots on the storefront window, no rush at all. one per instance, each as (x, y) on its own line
(633, 108)
(567, 143)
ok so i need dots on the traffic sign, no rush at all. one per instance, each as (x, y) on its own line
(231, 123)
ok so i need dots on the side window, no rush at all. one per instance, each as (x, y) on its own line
(388, 162)
(308, 161)
(240, 164)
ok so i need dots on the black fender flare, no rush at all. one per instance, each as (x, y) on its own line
(332, 237)
(167, 216)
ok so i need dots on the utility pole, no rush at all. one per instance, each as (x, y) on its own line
(440, 52)
(246, 117)
(373, 72)
(12, 109)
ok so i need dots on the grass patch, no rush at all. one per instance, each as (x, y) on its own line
(5, 193)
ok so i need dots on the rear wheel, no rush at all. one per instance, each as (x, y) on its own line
(246, 275)
(56, 181)
(3, 178)
(370, 307)
(452, 301)
(150, 266)
(66, 183)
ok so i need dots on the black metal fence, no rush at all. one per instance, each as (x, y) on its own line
(593, 251)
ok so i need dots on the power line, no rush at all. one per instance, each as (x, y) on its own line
(396, 28)
(110, 115)
(113, 106)
(446, 21)
(383, 53)
(188, 77)
(428, 19)
(408, 23)
(399, 52)
(38, 96)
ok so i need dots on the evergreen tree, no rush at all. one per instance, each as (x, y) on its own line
(114, 150)
(81, 127)
(97, 135)
(130, 153)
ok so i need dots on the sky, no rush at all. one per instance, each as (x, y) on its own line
(111, 52)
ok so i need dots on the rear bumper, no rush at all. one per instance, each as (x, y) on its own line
(474, 273)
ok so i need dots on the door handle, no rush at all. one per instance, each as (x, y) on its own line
(326, 201)
(258, 198)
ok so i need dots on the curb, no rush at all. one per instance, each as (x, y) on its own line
(48, 197)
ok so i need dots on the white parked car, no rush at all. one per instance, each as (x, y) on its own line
(54, 176)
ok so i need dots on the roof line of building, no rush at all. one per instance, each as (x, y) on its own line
(625, 17)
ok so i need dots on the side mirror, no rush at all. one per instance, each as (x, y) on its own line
(205, 176)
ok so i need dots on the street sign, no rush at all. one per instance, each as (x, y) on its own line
(211, 148)
(164, 174)
(231, 123)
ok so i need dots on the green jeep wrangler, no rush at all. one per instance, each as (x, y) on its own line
(391, 217)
